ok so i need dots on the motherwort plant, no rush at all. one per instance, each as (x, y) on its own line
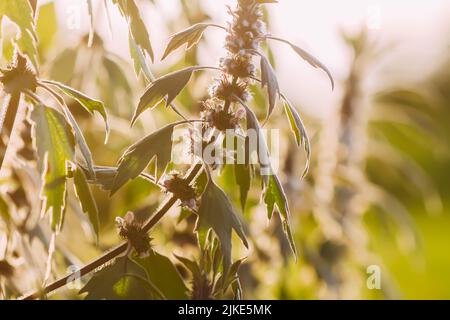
(226, 110)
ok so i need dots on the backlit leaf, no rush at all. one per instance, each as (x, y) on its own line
(191, 36)
(21, 13)
(90, 104)
(86, 198)
(217, 212)
(313, 61)
(55, 147)
(122, 280)
(168, 86)
(275, 197)
(138, 156)
(269, 79)
(163, 274)
(138, 31)
(299, 130)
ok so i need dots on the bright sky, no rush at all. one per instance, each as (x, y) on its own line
(419, 29)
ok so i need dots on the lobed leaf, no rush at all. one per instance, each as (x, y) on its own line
(90, 104)
(190, 36)
(138, 156)
(138, 31)
(269, 79)
(123, 279)
(275, 197)
(86, 198)
(216, 212)
(299, 130)
(21, 13)
(164, 275)
(168, 86)
(55, 146)
(313, 61)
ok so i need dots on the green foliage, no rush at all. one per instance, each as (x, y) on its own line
(216, 212)
(299, 130)
(88, 103)
(191, 36)
(21, 13)
(164, 275)
(168, 86)
(86, 198)
(139, 39)
(269, 79)
(123, 279)
(157, 145)
(55, 145)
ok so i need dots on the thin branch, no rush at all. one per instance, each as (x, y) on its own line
(117, 250)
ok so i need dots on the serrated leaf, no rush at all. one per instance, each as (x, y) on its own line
(55, 146)
(275, 197)
(190, 36)
(164, 275)
(313, 61)
(86, 198)
(301, 136)
(269, 79)
(217, 212)
(122, 280)
(90, 104)
(138, 156)
(21, 13)
(273, 193)
(138, 30)
(168, 86)
(243, 177)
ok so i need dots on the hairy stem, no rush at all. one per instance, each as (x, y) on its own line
(7, 125)
(117, 250)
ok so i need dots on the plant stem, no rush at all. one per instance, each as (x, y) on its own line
(6, 127)
(117, 250)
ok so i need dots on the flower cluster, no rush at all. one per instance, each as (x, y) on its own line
(18, 77)
(245, 33)
(220, 118)
(130, 229)
(181, 189)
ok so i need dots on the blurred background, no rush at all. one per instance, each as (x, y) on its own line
(377, 194)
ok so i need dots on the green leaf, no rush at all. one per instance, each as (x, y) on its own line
(55, 147)
(164, 275)
(307, 57)
(168, 86)
(86, 198)
(273, 193)
(243, 177)
(21, 13)
(274, 196)
(269, 79)
(46, 26)
(266, 1)
(299, 130)
(122, 280)
(138, 156)
(138, 31)
(217, 212)
(191, 36)
(88, 103)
